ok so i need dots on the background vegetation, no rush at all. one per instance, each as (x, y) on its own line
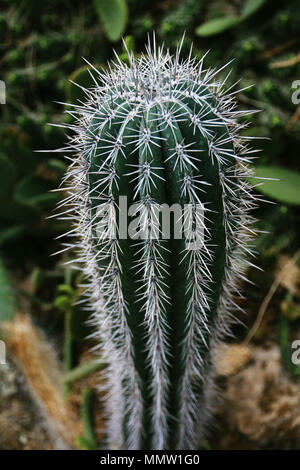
(41, 49)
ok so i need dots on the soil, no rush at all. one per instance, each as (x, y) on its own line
(260, 408)
(22, 427)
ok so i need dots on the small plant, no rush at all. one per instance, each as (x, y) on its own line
(160, 131)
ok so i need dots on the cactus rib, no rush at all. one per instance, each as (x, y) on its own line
(161, 131)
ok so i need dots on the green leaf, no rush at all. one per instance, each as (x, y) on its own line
(251, 6)
(7, 298)
(285, 190)
(63, 303)
(217, 26)
(83, 370)
(87, 413)
(66, 289)
(113, 15)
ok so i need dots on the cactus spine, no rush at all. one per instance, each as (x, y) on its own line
(160, 131)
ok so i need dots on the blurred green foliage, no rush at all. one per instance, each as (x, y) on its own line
(41, 49)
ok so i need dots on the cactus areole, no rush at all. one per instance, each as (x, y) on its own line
(160, 134)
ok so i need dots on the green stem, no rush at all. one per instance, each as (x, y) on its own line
(68, 348)
(88, 440)
(82, 371)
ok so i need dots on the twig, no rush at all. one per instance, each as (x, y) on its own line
(261, 311)
(83, 370)
(277, 49)
(294, 118)
(286, 63)
(265, 304)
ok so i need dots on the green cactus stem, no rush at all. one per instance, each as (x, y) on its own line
(162, 132)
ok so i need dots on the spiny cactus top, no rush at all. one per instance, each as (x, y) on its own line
(161, 132)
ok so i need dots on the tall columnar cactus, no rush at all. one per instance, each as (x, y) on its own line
(161, 131)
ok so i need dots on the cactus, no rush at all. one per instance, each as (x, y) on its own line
(160, 131)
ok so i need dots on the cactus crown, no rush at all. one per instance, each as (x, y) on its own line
(160, 130)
